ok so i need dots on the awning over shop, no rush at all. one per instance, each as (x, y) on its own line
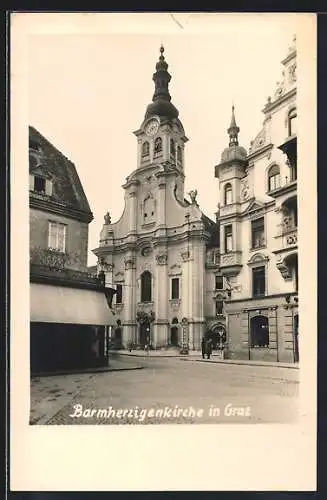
(58, 304)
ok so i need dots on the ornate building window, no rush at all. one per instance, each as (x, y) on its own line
(158, 146)
(228, 238)
(219, 307)
(179, 154)
(39, 184)
(119, 293)
(149, 209)
(258, 233)
(259, 330)
(146, 286)
(273, 178)
(57, 236)
(258, 281)
(145, 149)
(219, 283)
(228, 194)
(175, 288)
(292, 122)
(172, 149)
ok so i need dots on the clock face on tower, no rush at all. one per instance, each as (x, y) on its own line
(152, 127)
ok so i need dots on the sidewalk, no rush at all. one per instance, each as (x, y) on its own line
(51, 392)
(197, 356)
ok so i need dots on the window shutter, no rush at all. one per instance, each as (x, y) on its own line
(52, 235)
(31, 182)
(48, 188)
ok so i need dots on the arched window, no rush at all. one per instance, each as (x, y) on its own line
(146, 286)
(228, 194)
(158, 146)
(172, 148)
(273, 178)
(292, 122)
(145, 149)
(179, 154)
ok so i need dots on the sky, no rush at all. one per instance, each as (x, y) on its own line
(88, 92)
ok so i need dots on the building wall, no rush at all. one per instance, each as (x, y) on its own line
(76, 236)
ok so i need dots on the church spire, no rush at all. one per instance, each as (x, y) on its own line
(161, 105)
(233, 130)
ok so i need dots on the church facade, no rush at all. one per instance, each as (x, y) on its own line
(179, 275)
(162, 255)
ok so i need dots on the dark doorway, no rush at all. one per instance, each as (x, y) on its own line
(259, 331)
(296, 338)
(145, 333)
(63, 346)
(218, 336)
(174, 336)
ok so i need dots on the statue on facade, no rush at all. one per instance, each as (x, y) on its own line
(193, 194)
(107, 218)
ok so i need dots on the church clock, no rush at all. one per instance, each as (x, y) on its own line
(152, 127)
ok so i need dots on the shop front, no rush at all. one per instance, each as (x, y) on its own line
(69, 328)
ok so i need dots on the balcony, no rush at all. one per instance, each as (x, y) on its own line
(286, 187)
(231, 263)
(286, 240)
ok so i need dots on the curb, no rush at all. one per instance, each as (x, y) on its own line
(90, 370)
(230, 362)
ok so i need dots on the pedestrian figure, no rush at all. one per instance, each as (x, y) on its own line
(208, 348)
(203, 347)
(147, 346)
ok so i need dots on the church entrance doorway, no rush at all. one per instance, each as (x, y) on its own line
(145, 333)
(174, 333)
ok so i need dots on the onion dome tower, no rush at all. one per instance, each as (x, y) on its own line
(233, 151)
(161, 101)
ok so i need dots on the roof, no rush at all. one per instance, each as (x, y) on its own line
(67, 188)
(212, 228)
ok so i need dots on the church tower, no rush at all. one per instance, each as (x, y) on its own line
(155, 253)
(161, 137)
(230, 173)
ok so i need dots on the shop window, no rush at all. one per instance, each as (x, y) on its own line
(258, 281)
(258, 232)
(228, 194)
(146, 287)
(57, 236)
(273, 178)
(259, 331)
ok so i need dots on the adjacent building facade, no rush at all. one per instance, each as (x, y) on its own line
(69, 309)
(258, 230)
(180, 275)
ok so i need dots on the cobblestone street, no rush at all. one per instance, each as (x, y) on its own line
(170, 391)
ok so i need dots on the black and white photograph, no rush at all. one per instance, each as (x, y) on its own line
(166, 200)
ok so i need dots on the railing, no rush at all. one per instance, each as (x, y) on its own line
(48, 273)
(231, 259)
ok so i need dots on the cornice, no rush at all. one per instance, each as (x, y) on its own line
(49, 205)
(273, 105)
